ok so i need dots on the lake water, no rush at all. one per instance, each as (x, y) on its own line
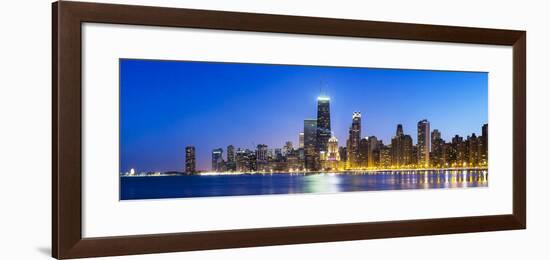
(186, 186)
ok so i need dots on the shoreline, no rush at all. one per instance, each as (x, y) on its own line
(365, 171)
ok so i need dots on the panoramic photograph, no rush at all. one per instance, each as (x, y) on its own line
(201, 129)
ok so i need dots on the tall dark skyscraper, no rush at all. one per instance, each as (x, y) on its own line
(354, 139)
(373, 149)
(399, 131)
(438, 145)
(230, 153)
(484, 144)
(343, 151)
(407, 150)
(261, 157)
(231, 163)
(436, 135)
(363, 152)
(323, 123)
(217, 160)
(423, 143)
(312, 160)
(190, 160)
(474, 150)
(401, 148)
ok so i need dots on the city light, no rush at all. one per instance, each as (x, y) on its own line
(319, 152)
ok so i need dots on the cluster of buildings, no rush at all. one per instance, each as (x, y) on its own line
(319, 150)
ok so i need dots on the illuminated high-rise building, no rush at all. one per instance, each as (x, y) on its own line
(246, 160)
(301, 140)
(241, 158)
(438, 145)
(231, 163)
(261, 157)
(323, 123)
(458, 151)
(261, 152)
(311, 151)
(217, 160)
(484, 145)
(343, 152)
(333, 151)
(401, 148)
(190, 159)
(385, 156)
(230, 153)
(373, 155)
(423, 144)
(353, 139)
(407, 150)
(363, 152)
(331, 159)
(474, 150)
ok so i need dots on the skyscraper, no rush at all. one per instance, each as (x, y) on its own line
(333, 151)
(458, 153)
(331, 157)
(246, 160)
(241, 157)
(373, 150)
(407, 150)
(342, 150)
(484, 145)
(354, 139)
(301, 140)
(423, 143)
(190, 166)
(230, 153)
(399, 131)
(363, 152)
(310, 145)
(231, 163)
(474, 150)
(401, 148)
(323, 123)
(217, 160)
(385, 156)
(261, 157)
(438, 145)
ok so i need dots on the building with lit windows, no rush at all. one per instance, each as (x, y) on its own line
(217, 160)
(373, 154)
(323, 123)
(423, 144)
(231, 164)
(190, 159)
(261, 158)
(354, 138)
(312, 160)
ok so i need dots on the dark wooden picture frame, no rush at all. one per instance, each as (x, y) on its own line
(67, 240)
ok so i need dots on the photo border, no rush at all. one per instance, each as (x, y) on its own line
(67, 19)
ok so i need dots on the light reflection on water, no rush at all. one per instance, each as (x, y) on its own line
(321, 183)
(285, 183)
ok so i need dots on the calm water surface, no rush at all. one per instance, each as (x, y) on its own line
(187, 186)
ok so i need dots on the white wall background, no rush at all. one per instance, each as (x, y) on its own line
(25, 142)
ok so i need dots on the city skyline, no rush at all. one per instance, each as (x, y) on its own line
(368, 153)
(438, 91)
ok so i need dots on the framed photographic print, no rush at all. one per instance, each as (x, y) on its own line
(239, 129)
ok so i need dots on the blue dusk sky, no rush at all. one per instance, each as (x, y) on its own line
(167, 105)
